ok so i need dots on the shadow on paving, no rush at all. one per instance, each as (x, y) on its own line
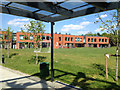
(14, 84)
(13, 54)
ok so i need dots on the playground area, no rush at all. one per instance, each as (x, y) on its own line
(81, 67)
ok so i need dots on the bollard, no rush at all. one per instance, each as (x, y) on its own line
(3, 59)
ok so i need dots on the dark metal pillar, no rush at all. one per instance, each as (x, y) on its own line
(52, 70)
(119, 43)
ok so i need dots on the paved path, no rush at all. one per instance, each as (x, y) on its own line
(13, 79)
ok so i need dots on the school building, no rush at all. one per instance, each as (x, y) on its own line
(19, 40)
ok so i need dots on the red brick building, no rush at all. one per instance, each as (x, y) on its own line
(5, 40)
(59, 40)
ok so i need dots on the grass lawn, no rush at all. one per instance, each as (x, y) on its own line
(82, 67)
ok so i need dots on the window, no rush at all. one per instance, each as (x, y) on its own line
(1, 36)
(14, 38)
(65, 38)
(47, 37)
(105, 40)
(6, 37)
(99, 40)
(88, 39)
(80, 39)
(102, 40)
(71, 38)
(68, 38)
(38, 37)
(21, 37)
(43, 37)
(95, 40)
(91, 39)
(59, 38)
(76, 39)
(31, 37)
(26, 37)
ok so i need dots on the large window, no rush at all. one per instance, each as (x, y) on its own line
(6, 37)
(21, 37)
(95, 40)
(68, 38)
(99, 40)
(47, 37)
(80, 39)
(102, 40)
(76, 39)
(65, 38)
(1, 36)
(14, 38)
(105, 40)
(88, 39)
(38, 37)
(26, 37)
(43, 37)
(59, 38)
(31, 37)
(71, 38)
(91, 39)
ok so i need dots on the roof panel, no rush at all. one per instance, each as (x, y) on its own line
(4, 3)
(55, 15)
(81, 8)
(44, 12)
(51, 12)
(16, 5)
(71, 5)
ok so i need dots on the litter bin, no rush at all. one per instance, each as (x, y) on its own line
(44, 69)
(3, 59)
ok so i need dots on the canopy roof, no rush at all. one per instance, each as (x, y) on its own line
(55, 11)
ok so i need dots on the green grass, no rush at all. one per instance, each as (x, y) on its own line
(82, 67)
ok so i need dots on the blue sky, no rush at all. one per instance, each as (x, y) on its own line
(75, 26)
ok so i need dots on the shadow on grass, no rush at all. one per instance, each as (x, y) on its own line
(33, 59)
(101, 70)
(80, 80)
(13, 54)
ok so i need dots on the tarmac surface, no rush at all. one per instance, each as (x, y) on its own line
(10, 78)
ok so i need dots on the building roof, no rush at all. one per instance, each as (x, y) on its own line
(52, 11)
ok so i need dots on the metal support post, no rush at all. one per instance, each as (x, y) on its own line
(52, 70)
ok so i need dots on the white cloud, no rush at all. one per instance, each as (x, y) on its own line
(98, 29)
(84, 18)
(18, 22)
(97, 18)
(83, 32)
(75, 27)
(102, 16)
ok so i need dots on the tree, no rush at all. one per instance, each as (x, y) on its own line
(89, 34)
(111, 26)
(8, 37)
(34, 28)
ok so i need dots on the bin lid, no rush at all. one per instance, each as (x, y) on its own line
(44, 62)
